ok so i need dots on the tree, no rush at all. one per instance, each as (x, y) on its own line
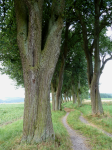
(94, 16)
(39, 45)
(75, 74)
(9, 52)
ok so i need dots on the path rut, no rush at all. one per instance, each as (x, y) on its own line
(77, 140)
(82, 119)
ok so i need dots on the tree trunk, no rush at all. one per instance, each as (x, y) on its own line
(97, 108)
(74, 98)
(73, 94)
(70, 98)
(60, 103)
(37, 124)
(93, 77)
(64, 97)
(60, 83)
(53, 97)
(38, 65)
(79, 94)
(61, 71)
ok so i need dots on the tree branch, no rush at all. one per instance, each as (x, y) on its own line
(53, 41)
(22, 25)
(104, 63)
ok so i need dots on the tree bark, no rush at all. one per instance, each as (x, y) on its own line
(65, 97)
(61, 72)
(93, 76)
(74, 98)
(74, 94)
(60, 83)
(38, 66)
(79, 95)
(97, 108)
(53, 98)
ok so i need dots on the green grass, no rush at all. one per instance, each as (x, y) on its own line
(10, 135)
(106, 98)
(10, 112)
(104, 122)
(97, 140)
(102, 99)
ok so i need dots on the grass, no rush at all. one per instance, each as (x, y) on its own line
(102, 99)
(98, 140)
(10, 134)
(10, 112)
(106, 98)
(104, 122)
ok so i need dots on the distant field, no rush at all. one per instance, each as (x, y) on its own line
(103, 99)
(106, 98)
(11, 112)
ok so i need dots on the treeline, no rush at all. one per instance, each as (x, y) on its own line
(105, 95)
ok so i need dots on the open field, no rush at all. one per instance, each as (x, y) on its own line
(11, 126)
(9, 113)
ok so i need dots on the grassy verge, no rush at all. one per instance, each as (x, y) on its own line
(10, 136)
(97, 139)
(105, 122)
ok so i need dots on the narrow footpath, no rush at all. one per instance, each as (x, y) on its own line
(83, 120)
(78, 142)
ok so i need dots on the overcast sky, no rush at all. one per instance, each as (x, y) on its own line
(8, 89)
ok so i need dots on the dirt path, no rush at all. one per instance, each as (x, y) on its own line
(78, 141)
(82, 119)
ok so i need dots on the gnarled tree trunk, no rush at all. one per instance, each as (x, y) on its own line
(38, 65)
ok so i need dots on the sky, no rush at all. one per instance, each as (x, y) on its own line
(8, 88)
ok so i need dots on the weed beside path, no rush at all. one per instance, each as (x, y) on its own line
(97, 140)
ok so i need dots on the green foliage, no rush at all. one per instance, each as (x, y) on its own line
(9, 52)
(105, 95)
(75, 70)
